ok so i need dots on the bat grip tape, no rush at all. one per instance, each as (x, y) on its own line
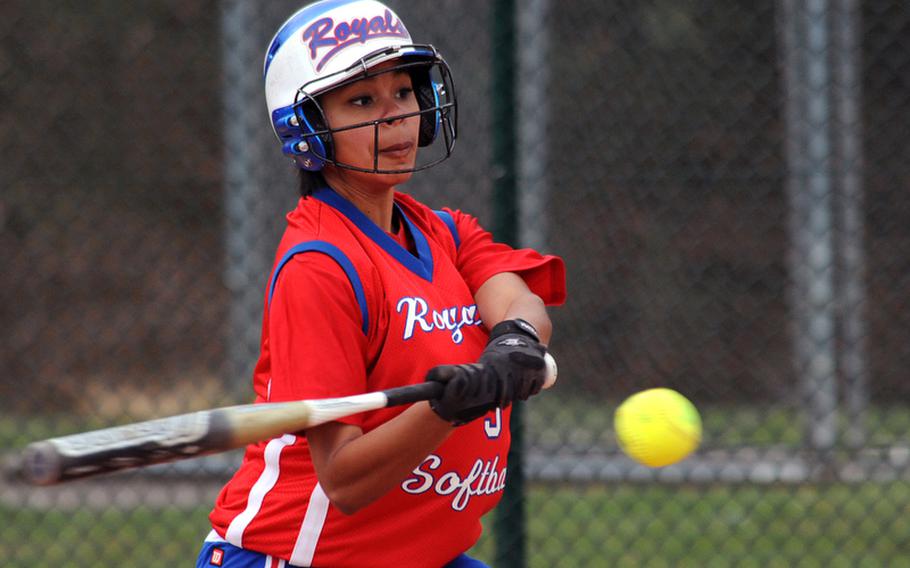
(413, 393)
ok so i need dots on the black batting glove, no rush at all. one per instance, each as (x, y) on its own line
(470, 392)
(515, 354)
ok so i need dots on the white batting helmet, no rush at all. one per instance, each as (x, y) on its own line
(333, 43)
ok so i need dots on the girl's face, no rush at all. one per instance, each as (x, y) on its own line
(374, 98)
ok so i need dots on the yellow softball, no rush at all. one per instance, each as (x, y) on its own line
(657, 427)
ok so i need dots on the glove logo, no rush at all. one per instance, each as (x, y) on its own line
(512, 342)
(528, 328)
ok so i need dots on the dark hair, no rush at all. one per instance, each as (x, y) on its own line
(310, 182)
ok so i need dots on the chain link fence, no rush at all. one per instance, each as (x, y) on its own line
(727, 182)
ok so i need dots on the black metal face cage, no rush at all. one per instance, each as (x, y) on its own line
(444, 94)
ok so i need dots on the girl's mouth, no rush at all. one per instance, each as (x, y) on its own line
(397, 150)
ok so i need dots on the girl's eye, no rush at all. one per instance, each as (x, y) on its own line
(362, 100)
(405, 92)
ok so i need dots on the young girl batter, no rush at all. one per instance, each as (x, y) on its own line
(370, 290)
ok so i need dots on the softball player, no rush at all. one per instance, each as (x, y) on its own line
(372, 289)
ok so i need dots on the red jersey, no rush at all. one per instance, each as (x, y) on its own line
(350, 310)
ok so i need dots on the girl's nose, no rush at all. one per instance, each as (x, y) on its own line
(390, 110)
(393, 107)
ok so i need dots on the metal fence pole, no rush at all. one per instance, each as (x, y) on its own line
(244, 193)
(534, 70)
(807, 49)
(851, 257)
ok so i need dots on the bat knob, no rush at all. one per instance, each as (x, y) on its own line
(552, 371)
(41, 463)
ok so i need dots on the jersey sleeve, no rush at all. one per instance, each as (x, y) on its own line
(479, 258)
(316, 337)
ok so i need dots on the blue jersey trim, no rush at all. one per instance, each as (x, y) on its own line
(421, 265)
(465, 561)
(231, 556)
(293, 25)
(342, 260)
(450, 222)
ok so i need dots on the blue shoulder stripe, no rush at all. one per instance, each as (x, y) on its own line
(450, 222)
(342, 260)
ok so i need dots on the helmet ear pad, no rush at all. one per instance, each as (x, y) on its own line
(312, 120)
(427, 98)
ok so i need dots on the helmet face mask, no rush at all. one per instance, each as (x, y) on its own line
(432, 86)
(294, 58)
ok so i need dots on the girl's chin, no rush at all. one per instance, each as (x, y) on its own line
(395, 179)
(386, 180)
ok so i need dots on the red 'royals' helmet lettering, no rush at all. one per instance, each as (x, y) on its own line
(325, 33)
